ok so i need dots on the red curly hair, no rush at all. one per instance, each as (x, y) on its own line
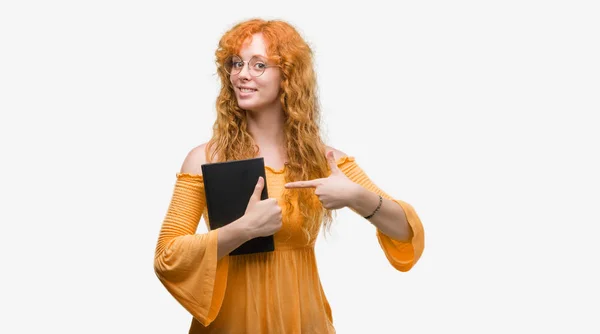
(298, 95)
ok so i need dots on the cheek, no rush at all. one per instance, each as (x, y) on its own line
(273, 90)
(272, 86)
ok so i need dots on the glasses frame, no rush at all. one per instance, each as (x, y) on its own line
(248, 63)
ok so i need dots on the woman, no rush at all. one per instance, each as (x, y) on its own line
(268, 107)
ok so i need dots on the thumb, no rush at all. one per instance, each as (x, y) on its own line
(332, 163)
(258, 189)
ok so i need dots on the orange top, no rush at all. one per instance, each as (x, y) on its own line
(275, 292)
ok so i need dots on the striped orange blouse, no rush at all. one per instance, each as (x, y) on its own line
(276, 292)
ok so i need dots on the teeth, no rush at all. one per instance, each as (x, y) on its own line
(247, 90)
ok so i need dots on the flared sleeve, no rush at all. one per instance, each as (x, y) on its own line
(401, 255)
(186, 262)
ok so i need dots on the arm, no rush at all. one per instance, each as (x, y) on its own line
(399, 229)
(231, 236)
(186, 263)
(390, 219)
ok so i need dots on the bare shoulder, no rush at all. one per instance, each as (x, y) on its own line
(194, 159)
(337, 154)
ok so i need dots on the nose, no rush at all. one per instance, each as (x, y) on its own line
(245, 72)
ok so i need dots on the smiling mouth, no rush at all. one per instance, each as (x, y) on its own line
(246, 90)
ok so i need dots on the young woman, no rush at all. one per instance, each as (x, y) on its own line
(268, 107)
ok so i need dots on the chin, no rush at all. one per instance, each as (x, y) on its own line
(249, 105)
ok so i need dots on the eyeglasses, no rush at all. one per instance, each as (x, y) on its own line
(256, 65)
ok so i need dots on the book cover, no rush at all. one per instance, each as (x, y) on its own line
(228, 186)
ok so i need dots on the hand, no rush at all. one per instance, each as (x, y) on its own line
(263, 217)
(336, 191)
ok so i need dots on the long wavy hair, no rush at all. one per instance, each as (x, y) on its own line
(299, 99)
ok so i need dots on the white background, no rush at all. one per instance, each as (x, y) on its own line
(480, 114)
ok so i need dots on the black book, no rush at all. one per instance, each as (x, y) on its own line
(228, 187)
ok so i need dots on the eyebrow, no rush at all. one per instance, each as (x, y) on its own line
(255, 55)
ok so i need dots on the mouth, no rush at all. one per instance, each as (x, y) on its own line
(247, 90)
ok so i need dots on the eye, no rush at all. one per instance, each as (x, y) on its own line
(260, 65)
(237, 64)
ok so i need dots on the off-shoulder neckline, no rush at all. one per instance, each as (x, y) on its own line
(340, 161)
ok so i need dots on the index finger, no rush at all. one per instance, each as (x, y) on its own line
(303, 184)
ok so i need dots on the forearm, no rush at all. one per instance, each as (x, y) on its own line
(390, 219)
(230, 237)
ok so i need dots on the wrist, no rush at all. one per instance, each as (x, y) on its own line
(240, 228)
(365, 202)
(357, 197)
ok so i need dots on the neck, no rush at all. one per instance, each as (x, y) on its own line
(267, 128)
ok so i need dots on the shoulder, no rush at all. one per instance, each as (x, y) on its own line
(337, 154)
(194, 160)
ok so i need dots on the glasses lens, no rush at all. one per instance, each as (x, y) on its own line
(233, 65)
(257, 66)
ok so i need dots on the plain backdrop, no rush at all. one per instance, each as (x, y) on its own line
(481, 114)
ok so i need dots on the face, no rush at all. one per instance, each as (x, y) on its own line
(256, 93)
